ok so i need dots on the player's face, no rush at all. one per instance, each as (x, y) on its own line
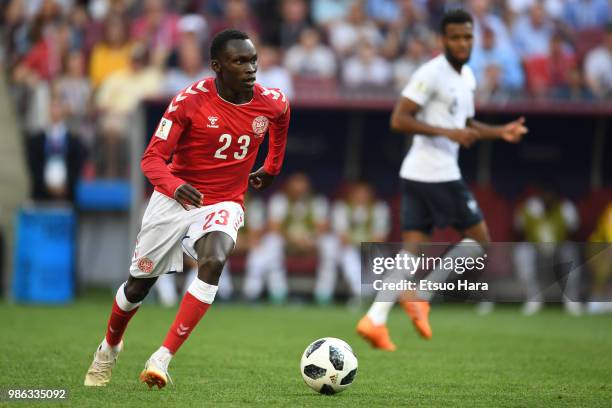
(458, 40)
(237, 65)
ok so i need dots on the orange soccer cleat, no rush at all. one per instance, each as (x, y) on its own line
(376, 335)
(418, 311)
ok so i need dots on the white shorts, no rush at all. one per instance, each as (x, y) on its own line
(167, 227)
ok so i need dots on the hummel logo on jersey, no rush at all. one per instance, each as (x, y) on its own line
(182, 330)
(213, 122)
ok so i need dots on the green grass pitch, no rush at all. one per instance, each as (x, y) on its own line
(249, 356)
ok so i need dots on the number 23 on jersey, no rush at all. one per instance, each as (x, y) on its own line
(226, 140)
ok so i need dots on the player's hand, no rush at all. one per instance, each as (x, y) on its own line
(514, 131)
(260, 180)
(465, 137)
(187, 194)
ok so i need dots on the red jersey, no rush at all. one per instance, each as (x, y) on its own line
(214, 143)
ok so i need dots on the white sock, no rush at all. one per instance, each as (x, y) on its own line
(202, 291)
(384, 301)
(162, 353)
(379, 311)
(104, 346)
(122, 301)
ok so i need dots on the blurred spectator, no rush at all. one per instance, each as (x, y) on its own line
(270, 73)
(547, 223)
(325, 12)
(294, 15)
(492, 53)
(55, 156)
(483, 17)
(297, 224)
(345, 35)
(581, 14)
(600, 261)
(237, 15)
(310, 58)
(532, 32)
(366, 68)
(598, 67)
(554, 74)
(414, 56)
(75, 91)
(117, 98)
(359, 218)
(191, 68)
(112, 54)
(411, 25)
(562, 63)
(554, 8)
(193, 26)
(157, 28)
(384, 12)
(490, 87)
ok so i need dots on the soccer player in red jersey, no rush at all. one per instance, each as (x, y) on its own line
(212, 130)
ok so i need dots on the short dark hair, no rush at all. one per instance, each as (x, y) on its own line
(455, 16)
(219, 42)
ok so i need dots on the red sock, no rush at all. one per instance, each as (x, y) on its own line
(117, 323)
(189, 314)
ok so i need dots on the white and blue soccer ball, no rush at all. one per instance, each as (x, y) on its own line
(328, 365)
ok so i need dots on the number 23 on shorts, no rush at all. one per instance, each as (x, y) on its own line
(219, 217)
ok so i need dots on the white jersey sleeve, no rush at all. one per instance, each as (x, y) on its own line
(421, 86)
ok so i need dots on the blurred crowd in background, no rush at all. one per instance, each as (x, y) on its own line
(93, 62)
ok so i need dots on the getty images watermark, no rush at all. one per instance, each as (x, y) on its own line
(501, 272)
(406, 265)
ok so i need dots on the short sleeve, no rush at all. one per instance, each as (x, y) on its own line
(421, 86)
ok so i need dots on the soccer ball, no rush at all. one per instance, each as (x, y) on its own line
(328, 365)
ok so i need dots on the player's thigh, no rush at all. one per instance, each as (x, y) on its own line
(158, 249)
(415, 211)
(225, 217)
(465, 214)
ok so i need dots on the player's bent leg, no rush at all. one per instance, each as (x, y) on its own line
(213, 250)
(124, 308)
(414, 305)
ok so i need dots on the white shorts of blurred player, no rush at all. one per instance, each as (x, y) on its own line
(266, 265)
(168, 229)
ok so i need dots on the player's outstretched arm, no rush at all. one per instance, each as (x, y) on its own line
(403, 120)
(511, 132)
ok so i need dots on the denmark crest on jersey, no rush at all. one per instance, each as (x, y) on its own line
(260, 126)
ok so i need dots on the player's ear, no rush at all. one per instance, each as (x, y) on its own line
(215, 66)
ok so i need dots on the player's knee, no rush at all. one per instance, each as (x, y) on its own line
(135, 292)
(212, 265)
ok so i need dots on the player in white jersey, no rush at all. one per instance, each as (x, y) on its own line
(437, 106)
